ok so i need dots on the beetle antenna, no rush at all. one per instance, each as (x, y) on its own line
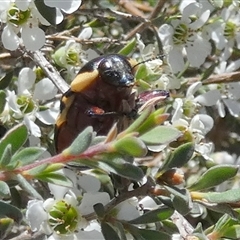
(150, 59)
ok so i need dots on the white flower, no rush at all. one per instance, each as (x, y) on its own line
(128, 210)
(62, 215)
(22, 17)
(69, 6)
(185, 36)
(230, 92)
(225, 31)
(24, 105)
(165, 79)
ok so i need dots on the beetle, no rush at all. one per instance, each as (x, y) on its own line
(100, 95)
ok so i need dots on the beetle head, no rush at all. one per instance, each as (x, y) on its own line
(116, 70)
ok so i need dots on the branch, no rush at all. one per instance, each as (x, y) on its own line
(49, 70)
(147, 22)
(60, 37)
(217, 79)
(141, 191)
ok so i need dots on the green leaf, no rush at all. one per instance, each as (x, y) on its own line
(222, 208)
(55, 178)
(99, 210)
(81, 143)
(5, 80)
(145, 234)
(217, 3)
(16, 137)
(180, 198)
(4, 190)
(232, 232)
(209, 71)
(28, 187)
(138, 122)
(214, 176)
(108, 232)
(128, 48)
(153, 234)
(2, 100)
(222, 223)
(178, 157)
(156, 118)
(199, 233)
(6, 156)
(122, 168)
(27, 155)
(160, 135)
(142, 71)
(232, 195)
(116, 164)
(6, 225)
(131, 146)
(49, 13)
(7, 210)
(153, 216)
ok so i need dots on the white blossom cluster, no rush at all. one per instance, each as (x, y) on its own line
(22, 20)
(81, 198)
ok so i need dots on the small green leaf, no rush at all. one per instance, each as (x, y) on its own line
(179, 157)
(115, 164)
(5, 80)
(131, 146)
(214, 176)
(49, 13)
(55, 178)
(27, 155)
(145, 234)
(180, 199)
(4, 190)
(232, 195)
(156, 118)
(10, 211)
(138, 122)
(199, 233)
(142, 71)
(153, 234)
(128, 48)
(217, 3)
(160, 135)
(2, 100)
(6, 225)
(16, 137)
(108, 232)
(6, 156)
(28, 187)
(153, 216)
(122, 168)
(81, 143)
(99, 210)
(209, 71)
(37, 170)
(222, 223)
(232, 232)
(96, 23)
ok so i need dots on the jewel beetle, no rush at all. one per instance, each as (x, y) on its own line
(100, 95)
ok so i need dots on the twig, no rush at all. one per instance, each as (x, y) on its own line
(60, 37)
(145, 24)
(49, 70)
(100, 13)
(141, 191)
(184, 227)
(217, 79)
